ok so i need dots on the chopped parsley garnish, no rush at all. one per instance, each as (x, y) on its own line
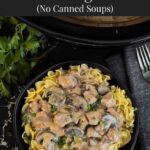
(94, 106)
(77, 140)
(53, 108)
(103, 123)
(33, 114)
(24, 119)
(61, 141)
(26, 138)
(68, 147)
(94, 118)
(46, 97)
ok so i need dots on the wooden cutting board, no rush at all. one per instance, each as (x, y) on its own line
(105, 21)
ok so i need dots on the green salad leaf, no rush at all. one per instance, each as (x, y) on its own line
(53, 108)
(20, 46)
(94, 106)
(61, 141)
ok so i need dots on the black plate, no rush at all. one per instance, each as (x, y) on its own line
(94, 36)
(21, 99)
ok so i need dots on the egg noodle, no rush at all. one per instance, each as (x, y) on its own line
(123, 106)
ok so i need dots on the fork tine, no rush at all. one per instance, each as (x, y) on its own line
(143, 58)
(146, 56)
(139, 60)
(148, 51)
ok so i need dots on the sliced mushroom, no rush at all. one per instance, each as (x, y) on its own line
(109, 120)
(117, 115)
(45, 137)
(74, 131)
(46, 94)
(108, 100)
(57, 97)
(93, 141)
(69, 100)
(62, 119)
(54, 95)
(51, 90)
(80, 103)
(56, 100)
(103, 88)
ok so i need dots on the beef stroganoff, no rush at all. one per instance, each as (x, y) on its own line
(77, 109)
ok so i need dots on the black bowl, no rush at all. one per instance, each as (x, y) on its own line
(18, 130)
(90, 36)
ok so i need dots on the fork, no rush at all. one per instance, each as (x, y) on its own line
(143, 55)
